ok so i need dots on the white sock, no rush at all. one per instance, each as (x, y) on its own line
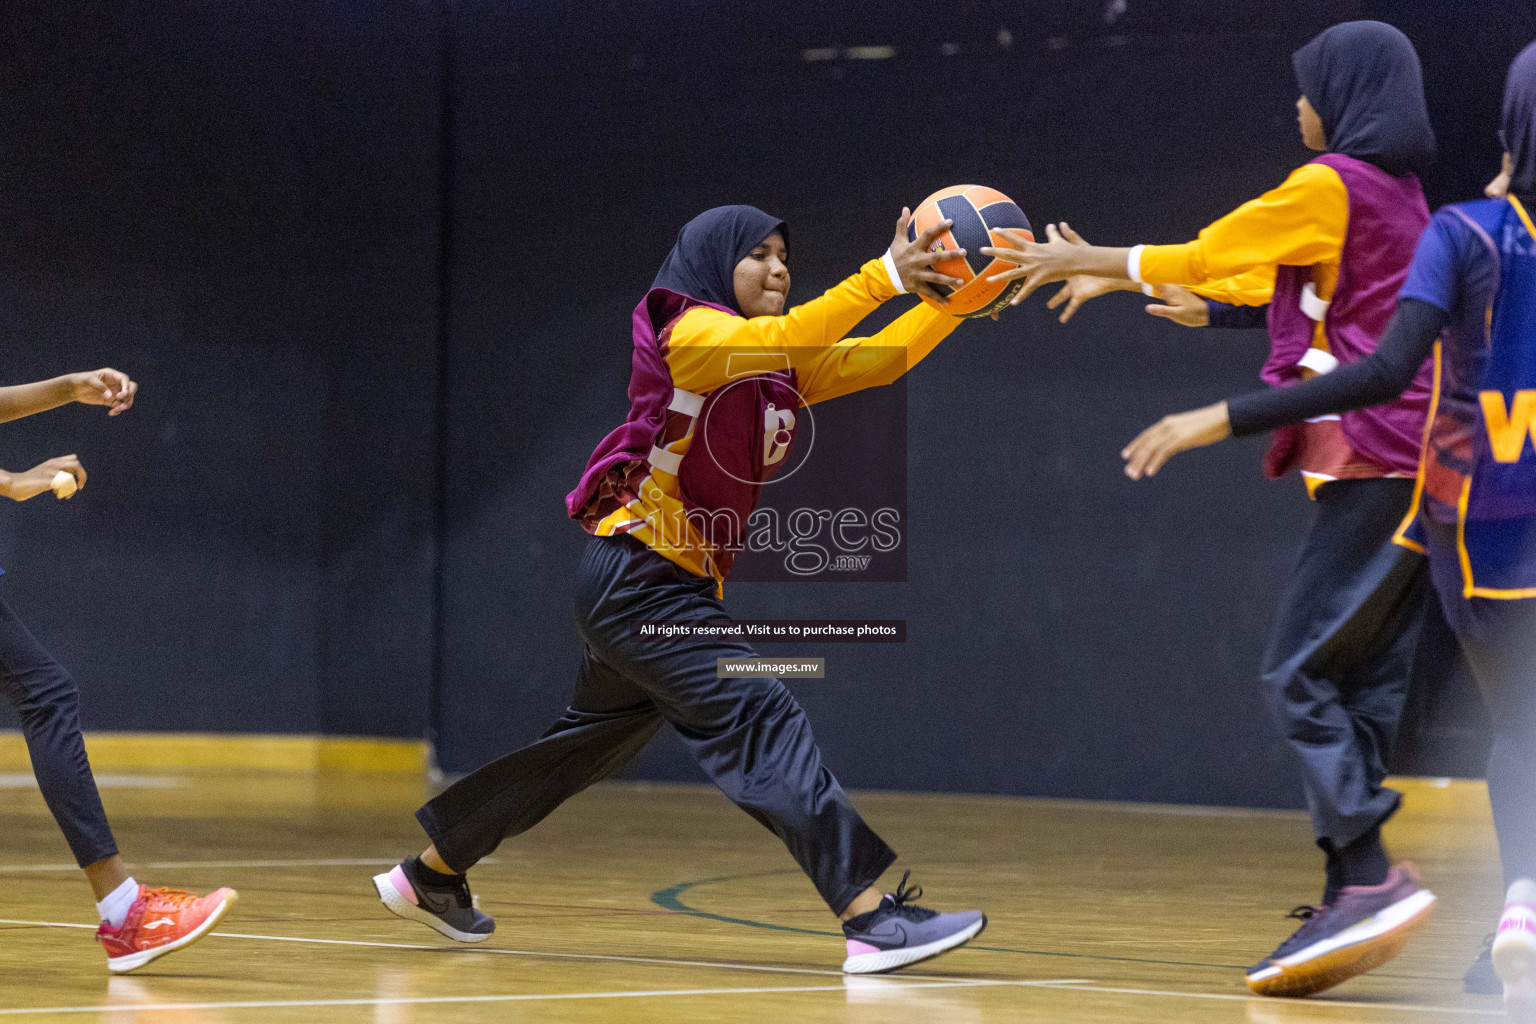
(114, 909)
(1522, 891)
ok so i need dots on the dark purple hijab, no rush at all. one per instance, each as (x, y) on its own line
(702, 265)
(1518, 126)
(1364, 80)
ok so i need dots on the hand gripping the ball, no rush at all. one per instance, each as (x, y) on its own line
(914, 262)
(63, 476)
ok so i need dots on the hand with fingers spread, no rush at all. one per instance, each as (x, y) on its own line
(914, 260)
(1064, 255)
(38, 479)
(1180, 305)
(1079, 288)
(1173, 434)
(107, 387)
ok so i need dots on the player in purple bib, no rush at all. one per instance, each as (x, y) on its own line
(1319, 260)
(1470, 301)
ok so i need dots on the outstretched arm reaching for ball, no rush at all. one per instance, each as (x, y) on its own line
(1064, 256)
(1079, 288)
(1186, 307)
(1302, 222)
(107, 386)
(1180, 305)
(704, 341)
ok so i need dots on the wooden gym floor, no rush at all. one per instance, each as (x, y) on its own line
(664, 903)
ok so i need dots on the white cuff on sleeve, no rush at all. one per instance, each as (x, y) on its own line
(890, 271)
(1149, 291)
(1318, 361)
(1133, 264)
(1314, 307)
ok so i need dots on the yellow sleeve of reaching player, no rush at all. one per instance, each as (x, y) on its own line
(1251, 289)
(708, 348)
(1298, 224)
(858, 363)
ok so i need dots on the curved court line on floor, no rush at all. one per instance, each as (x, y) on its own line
(671, 899)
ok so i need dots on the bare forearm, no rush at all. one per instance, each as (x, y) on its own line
(1100, 261)
(21, 400)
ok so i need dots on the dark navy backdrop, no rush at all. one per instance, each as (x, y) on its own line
(235, 203)
(379, 304)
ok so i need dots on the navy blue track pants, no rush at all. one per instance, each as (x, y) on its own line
(1335, 677)
(749, 735)
(48, 703)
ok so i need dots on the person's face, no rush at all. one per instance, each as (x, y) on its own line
(1498, 188)
(1311, 126)
(762, 279)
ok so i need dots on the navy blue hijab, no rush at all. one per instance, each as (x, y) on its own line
(1518, 126)
(1364, 80)
(702, 264)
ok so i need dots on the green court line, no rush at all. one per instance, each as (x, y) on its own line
(671, 899)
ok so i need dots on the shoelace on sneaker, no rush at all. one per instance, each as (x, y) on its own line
(1311, 919)
(901, 901)
(461, 893)
(173, 898)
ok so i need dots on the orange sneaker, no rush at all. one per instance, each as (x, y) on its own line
(161, 921)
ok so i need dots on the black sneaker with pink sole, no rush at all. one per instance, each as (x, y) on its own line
(1364, 928)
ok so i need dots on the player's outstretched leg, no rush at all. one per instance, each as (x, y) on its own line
(1366, 926)
(609, 721)
(753, 740)
(138, 924)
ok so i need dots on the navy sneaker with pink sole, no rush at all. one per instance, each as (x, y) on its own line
(899, 933)
(1364, 928)
(451, 912)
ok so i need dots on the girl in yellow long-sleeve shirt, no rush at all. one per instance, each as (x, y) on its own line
(694, 513)
(1326, 251)
(720, 372)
